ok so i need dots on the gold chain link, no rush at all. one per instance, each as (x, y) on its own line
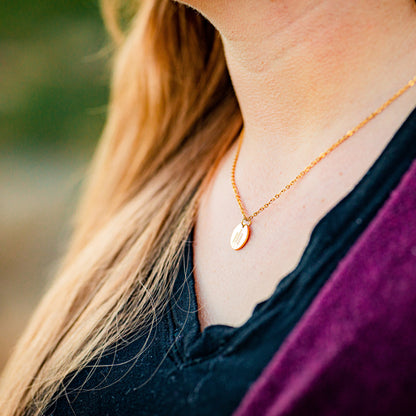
(247, 219)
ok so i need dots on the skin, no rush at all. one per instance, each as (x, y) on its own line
(304, 72)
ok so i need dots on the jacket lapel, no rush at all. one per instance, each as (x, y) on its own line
(354, 350)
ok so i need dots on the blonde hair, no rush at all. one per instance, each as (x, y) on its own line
(172, 116)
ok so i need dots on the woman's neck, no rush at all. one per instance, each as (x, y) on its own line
(296, 71)
(307, 71)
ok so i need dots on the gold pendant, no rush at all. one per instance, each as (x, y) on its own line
(240, 235)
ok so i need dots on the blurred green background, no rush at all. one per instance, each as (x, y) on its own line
(53, 97)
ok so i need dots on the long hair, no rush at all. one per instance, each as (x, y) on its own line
(172, 116)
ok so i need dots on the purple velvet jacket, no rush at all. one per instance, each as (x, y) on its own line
(354, 350)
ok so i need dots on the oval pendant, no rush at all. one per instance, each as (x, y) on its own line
(239, 237)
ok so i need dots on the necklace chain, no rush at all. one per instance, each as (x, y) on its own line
(247, 218)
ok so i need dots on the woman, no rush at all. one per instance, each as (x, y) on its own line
(153, 312)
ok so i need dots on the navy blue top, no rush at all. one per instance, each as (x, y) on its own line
(186, 372)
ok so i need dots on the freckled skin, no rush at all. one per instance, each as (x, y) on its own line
(304, 72)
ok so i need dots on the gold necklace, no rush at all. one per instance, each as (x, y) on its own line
(241, 232)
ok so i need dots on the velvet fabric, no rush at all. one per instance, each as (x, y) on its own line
(354, 350)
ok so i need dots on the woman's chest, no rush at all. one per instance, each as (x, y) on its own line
(229, 283)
